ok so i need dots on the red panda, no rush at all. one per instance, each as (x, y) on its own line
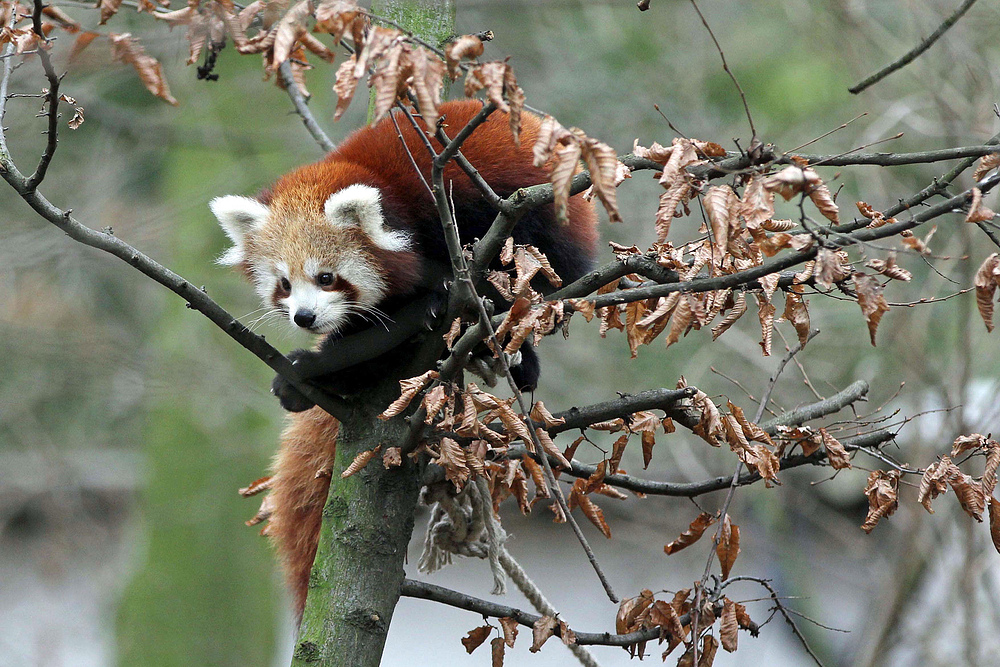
(348, 239)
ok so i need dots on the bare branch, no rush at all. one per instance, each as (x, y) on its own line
(911, 55)
(426, 591)
(285, 72)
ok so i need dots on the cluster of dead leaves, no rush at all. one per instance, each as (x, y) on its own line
(541, 630)
(674, 620)
(973, 496)
(561, 150)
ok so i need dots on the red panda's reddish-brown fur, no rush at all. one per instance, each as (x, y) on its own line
(375, 156)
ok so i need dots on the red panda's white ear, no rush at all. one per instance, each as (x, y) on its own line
(361, 206)
(238, 216)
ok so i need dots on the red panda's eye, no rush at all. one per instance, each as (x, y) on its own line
(285, 285)
(325, 279)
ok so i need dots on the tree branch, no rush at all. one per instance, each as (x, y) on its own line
(426, 591)
(912, 54)
(285, 72)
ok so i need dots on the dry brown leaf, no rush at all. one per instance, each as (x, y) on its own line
(835, 452)
(797, 314)
(337, 17)
(709, 646)
(871, 300)
(497, 650)
(127, 49)
(978, 212)
(765, 313)
(630, 610)
(933, 482)
(392, 457)
(987, 280)
(360, 461)
(921, 246)
(345, 85)
(721, 205)
(739, 307)
(602, 162)
(882, 491)
(263, 513)
(108, 9)
(728, 547)
(498, 79)
(290, 30)
(831, 267)
(889, 268)
(589, 507)
(728, 628)
(476, 637)
(691, 535)
(757, 205)
(509, 626)
(540, 414)
(409, 389)
(77, 119)
(970, 495)
(433, 401)
(454, 462)
(256, 486)
(464, 46)
(995, 523)
(989, 480)
(568, 636)
(985, 165)
(540, 632)
(426, 78)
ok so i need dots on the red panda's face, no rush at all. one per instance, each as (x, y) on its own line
(317, 266)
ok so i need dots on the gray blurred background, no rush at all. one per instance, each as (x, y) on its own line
(127, 422)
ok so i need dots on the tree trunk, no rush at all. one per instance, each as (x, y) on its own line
(368, 517)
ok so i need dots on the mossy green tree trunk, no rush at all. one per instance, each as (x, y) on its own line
(368, 517)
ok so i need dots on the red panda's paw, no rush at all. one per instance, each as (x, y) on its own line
(292, 399)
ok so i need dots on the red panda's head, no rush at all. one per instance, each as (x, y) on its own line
(316, 260)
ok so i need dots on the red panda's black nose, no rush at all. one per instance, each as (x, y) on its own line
(304, 318)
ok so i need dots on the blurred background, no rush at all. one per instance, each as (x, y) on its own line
(128, 422)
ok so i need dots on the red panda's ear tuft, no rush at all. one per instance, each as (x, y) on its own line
(360, 205)
(238, 216)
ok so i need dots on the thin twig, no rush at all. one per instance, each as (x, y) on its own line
(725, 66)
(910, 55)
(285, 72)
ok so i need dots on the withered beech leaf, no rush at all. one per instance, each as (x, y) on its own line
(345, 85)
(497, 650)
(888, 267)
(933, 482)
(476, 637)
(509, 626)
(728, 628)
(691, 535)
(540, 413)
(986, 164)
(995, 523)
(589, 507)
(882, 491)
(464, 46)
(728, 547)
(739, 307)
(871, 300)
(360, 461)
(77, 119)
(978, 212)
(765, 313)
(709, 646)
(409, 388)
(835, 452)
(392, 457)
(256, 486)
(797, 314)
(540, 632)
(568, 636)
(127, 49)
(456, 327)
(970, 495)
(454, 462)
(629, 611)
(964, 443)
(987, 280)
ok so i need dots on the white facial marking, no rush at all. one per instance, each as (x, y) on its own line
(360, 205)
(238, 216)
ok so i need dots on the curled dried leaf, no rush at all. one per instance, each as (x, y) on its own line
(691, 535)
(360, 461)
(256, 486)
(392, 457)
(729, 627)
(871, 300)
(882, 491)
(543, 628)
(728, 547)
(985, 165)
(986, 281)
(933, 482)
(835, 452)
(978, 212)
(127, 49)
(465, 46)
(409, 388)
(476, 637)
